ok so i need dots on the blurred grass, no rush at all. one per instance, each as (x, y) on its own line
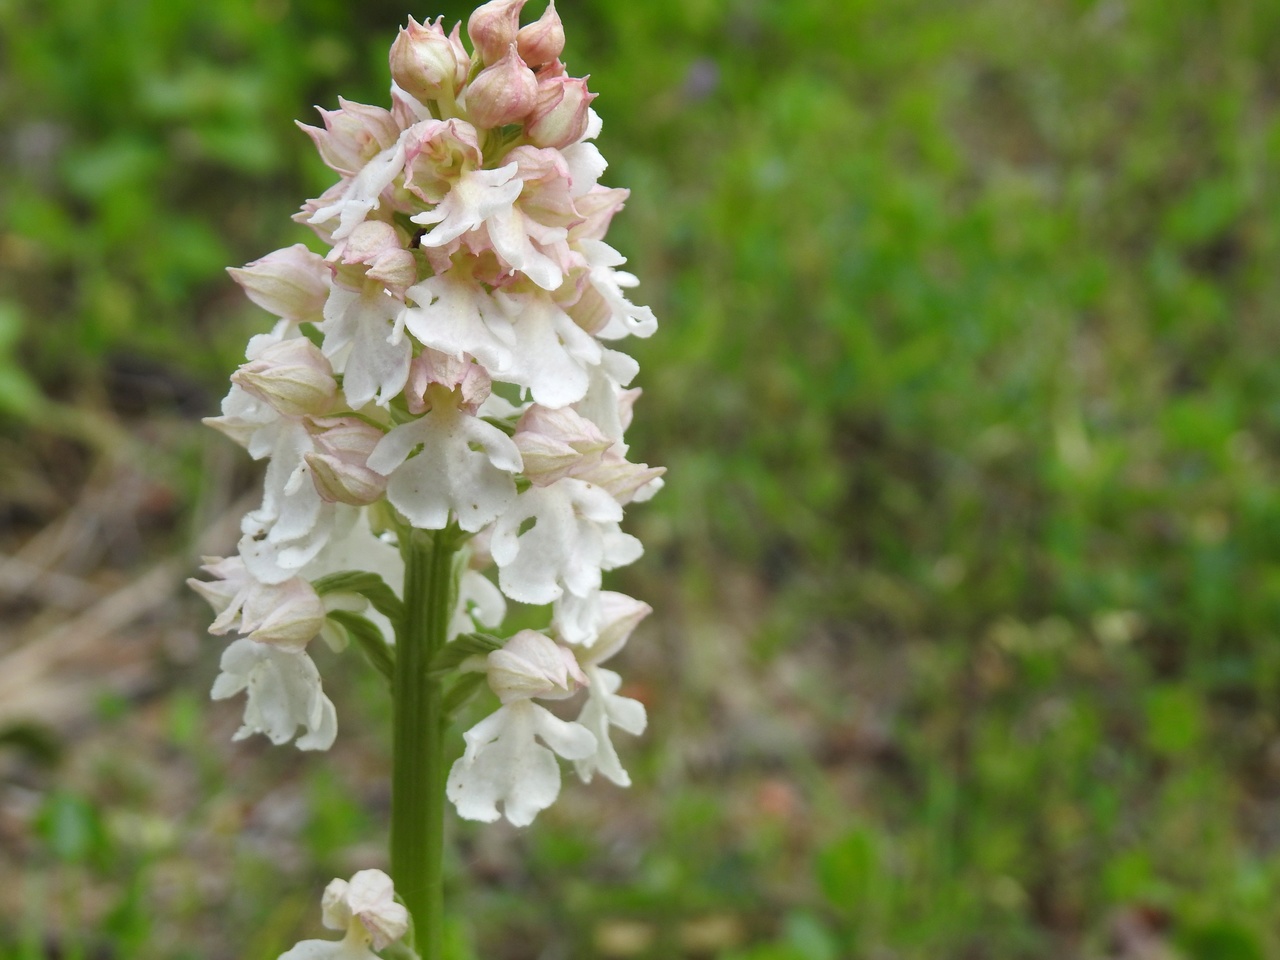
(968, 570)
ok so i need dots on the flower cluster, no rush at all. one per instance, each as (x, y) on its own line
(366, 909)
(446, 366)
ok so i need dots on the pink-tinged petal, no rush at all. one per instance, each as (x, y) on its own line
(531, 664)
(447, 474)
(509, 233)
(552, 355)
(362, 192)
(504, 763)
(456, 316)
(477, 195)
(352, 135)
(586, 164)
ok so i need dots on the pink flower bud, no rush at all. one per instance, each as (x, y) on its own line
(353, 135)
(621, 478)
(560, 115)
(619, 616)
(286, 614)
(543, 40)
(293, 376)
(493, 27)
(292, 614)
(425, 63)
(533, 665)
(502, 93)
(338, 465)
(292, 283)
(557, 443)
(380, 247)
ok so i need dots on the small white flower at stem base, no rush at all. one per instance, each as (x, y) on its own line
(366, 909)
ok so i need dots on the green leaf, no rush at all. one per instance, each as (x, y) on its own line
(1221, 940)
(462, 690)
(467, 645)
(368, 585)
(72, 827)
(848, 868)
(1175, 720)
(370, 639)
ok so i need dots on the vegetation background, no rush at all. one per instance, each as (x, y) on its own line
(967, 575)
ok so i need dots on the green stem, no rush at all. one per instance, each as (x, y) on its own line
(418, 774)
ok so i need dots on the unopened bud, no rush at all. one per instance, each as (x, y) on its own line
(621, 478)
(493, 27)
(292, 283)
(380, 247)
(502, 93)
(293, 376)
(619, 616)
(288, 615)
(339, 464)
(543, 40)
(426, 63)
(555, 444)
(560, 114)
(533, 665)
(352, 135)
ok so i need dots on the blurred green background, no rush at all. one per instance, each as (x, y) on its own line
(967, 573)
